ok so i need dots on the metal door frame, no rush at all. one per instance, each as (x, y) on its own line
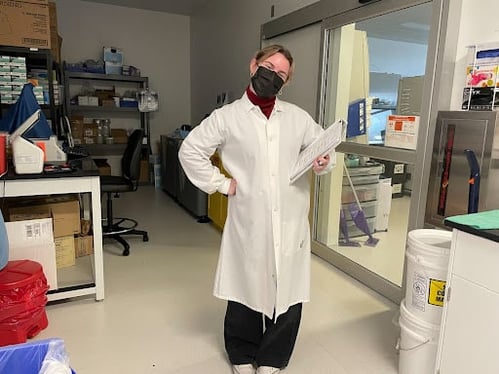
(440, 60)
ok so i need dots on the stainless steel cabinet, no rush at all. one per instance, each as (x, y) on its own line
(175, 182)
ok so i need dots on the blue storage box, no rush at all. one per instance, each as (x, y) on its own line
(38, 357)
(113, 60)
(111, 54)
(129, 103)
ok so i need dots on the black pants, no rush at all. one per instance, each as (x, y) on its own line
(248, 341)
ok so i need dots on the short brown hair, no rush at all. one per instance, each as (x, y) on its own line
(271, 50)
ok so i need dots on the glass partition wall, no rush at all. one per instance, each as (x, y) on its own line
(374, 75)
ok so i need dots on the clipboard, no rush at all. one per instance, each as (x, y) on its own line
(323, 144)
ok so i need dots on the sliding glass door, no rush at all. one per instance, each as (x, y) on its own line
(374, 76)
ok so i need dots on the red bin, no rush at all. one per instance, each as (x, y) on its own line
(23, 288)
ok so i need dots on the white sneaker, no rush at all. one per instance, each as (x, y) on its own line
(268, 370)
(243, 369)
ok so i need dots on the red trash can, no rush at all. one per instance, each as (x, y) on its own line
(23, 288)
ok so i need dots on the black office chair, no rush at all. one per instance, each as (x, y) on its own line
(113, 227)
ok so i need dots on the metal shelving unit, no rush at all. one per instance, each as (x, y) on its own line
(140, 83)
(42, 59)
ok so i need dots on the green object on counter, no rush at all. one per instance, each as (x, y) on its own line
(487, 220)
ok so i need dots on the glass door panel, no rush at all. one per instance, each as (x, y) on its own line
(375, 70)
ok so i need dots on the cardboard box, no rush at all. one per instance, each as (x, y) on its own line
(105, 94)
(90, 140)
(76, 123)
(103, 166)
(34, 240)
(144, 171)
(93, 101)
(55, 38)
(90, 130)
(108, 103)
(86, 225)
(65, 251)
(84, 245)
(65, 214)
(120, 136)
(25, 24)
(83, 100)
(402, 131)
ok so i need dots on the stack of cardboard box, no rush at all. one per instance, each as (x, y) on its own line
(30, 24)
(53, 227)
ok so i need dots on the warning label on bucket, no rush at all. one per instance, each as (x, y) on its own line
(419, 287)
(436, 292)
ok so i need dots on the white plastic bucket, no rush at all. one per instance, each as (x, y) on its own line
(426, 273)
(417, 345)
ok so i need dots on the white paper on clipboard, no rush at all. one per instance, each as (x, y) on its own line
(325, 143)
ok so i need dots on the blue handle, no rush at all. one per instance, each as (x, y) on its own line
(474, 181)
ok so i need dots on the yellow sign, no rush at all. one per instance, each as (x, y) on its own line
(436, 295)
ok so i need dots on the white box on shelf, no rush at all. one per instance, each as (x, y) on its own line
(82, 100)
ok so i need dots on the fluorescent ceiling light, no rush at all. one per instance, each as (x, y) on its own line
(416, 26)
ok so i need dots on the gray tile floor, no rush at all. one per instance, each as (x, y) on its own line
(159, 315)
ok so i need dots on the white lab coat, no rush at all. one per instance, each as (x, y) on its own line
(264, 259)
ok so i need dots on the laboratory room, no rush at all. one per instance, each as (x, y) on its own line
(248, 187)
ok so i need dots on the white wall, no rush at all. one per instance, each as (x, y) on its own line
(475, 28)
(406, 59)
(225, 34)
(157, 43)
(188, 60)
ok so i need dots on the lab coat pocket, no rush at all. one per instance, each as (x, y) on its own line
(298, 238)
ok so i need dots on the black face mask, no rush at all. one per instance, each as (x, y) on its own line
(266, 83)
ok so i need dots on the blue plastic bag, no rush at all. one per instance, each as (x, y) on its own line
(47, 356)
(24, 107)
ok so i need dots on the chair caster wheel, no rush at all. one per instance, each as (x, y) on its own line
(126, 252)
(145, 238)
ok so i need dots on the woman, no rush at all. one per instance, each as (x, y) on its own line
(264, 263)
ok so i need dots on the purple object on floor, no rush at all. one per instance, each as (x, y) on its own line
(358, 215)
(360, 221)
(344, 230)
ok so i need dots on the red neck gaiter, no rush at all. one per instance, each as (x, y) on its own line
(266, 104)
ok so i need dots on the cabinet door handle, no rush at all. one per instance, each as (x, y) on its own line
(364, 1)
